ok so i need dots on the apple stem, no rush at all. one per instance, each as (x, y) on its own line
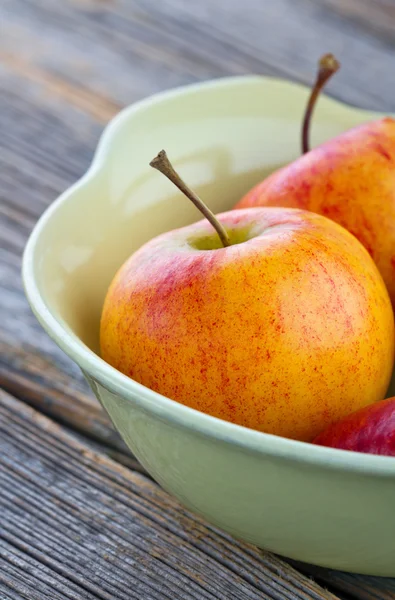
(163, 164)
(327, 66)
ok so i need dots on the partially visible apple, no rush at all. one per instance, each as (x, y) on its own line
(286, 329)
(350, 179)
(370, 429)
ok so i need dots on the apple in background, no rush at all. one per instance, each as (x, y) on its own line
(279, 321)
(350, 179)
(370, 429)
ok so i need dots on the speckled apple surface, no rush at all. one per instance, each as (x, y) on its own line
(355, 187)
(325, 506)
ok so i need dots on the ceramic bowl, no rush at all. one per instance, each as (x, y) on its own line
(328, 507)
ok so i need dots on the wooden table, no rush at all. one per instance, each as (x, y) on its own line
(79, 518)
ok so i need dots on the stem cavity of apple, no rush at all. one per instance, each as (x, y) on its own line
(162, 163)
(327, 66)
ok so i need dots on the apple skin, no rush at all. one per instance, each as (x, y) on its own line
(285, 333)
(350, 179)
(370, 429)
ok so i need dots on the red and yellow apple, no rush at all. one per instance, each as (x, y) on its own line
(350, 179)
(370, 429)
(286, 330)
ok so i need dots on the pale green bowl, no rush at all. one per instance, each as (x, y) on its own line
(323, 506)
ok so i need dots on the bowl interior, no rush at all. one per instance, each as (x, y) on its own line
(222, 136)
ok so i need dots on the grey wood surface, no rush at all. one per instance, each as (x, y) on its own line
(66, 67)
(75, 524)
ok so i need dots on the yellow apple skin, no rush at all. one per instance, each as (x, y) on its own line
(285, 333)
(350, 179)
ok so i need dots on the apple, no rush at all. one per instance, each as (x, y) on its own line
(370, 429)
(350, 179)
(278, 320)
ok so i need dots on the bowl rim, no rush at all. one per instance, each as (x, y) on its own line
(152, 402)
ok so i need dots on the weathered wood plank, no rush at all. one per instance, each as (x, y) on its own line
(125, 49)
(39, 382)
(377, 18)
(76, 525)
(35, 137)
(346, 584)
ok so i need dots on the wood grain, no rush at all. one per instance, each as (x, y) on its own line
(348, 585)
(41, 154)
(76, 525)
(126, 49)
(65, 69)
(39, 382)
